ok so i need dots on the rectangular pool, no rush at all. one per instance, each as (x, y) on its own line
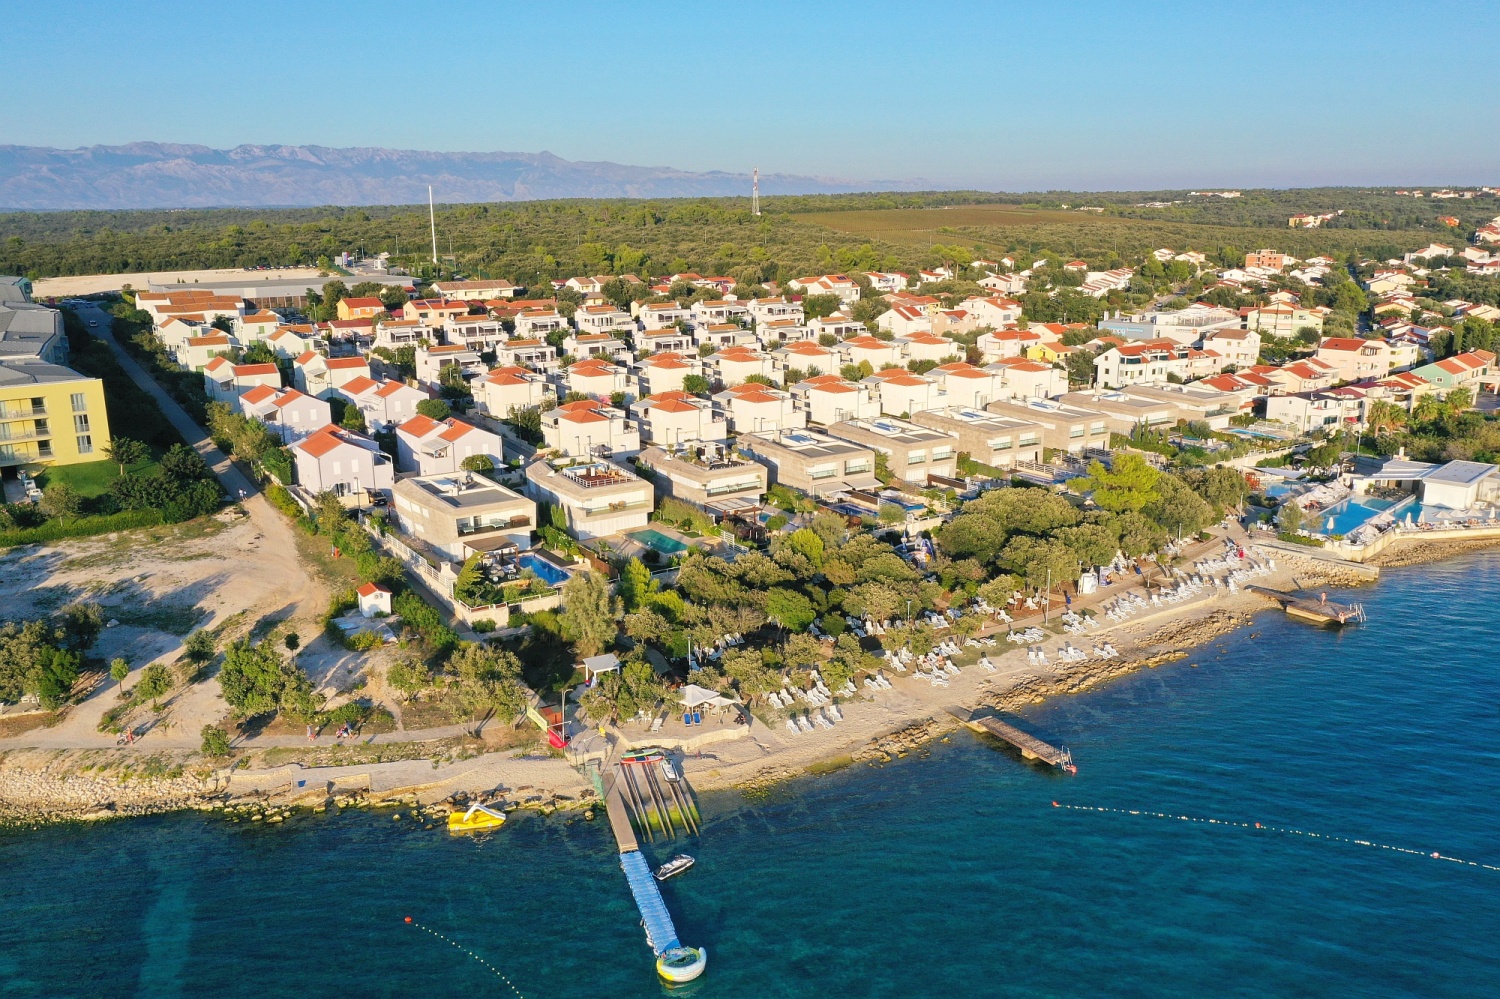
(552, 575)
(658, 541)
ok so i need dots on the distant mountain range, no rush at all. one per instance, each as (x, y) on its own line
(163, 175)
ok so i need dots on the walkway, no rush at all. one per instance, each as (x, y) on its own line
(235, 482)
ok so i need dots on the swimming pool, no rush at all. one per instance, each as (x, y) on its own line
(658, 541)
(552, 575)
(1351, 513)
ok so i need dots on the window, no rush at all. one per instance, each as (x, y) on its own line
(942, 453)
(79, 402)
(856, 467)
(38, 405)
(42, 428)
(1096, 428)
(1028, 440)
(916, 457)
(85, 444)
(44, 449)
(81, 423)
(1076, 431)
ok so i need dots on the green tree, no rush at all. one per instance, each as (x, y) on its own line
(1129, 484)
(408, 677)
(354, 419)
(200, 646)
(478, 463)
(60, 500)
(635, 585)
(489, 679)
(434, 409)
(119, 671)
(1289, 518)
(126, 451)
(155, 681)
(696, 385)
(82, 621)
(1177, 508)
(590, 613)
(789, 609)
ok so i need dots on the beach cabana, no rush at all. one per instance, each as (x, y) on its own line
(593, 666)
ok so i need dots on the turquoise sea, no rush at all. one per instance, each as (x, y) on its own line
(948, 873)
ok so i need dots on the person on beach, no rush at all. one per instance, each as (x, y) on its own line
(311, 735)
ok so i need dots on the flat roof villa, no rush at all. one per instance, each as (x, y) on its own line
(1064, 427)
(812, 462)
(913, 452)
(994, 439)
(459, 514)
(708, 475)
(598, 498)
(1454, 485)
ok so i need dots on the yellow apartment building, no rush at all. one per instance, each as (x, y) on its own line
(50, 415)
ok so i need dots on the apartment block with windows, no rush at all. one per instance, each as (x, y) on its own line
(912, 452)
(989, 438)
(50, 415)
(812, 462)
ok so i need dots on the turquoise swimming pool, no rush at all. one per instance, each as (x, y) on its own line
(657, 541)
(552, 575)
(1348, 514)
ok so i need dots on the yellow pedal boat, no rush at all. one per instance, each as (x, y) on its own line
(477, 819)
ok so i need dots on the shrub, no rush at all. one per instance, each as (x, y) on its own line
(215, 741)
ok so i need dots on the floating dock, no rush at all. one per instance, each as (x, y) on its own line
(661, 935)
(1030, 746)
(1315, 610)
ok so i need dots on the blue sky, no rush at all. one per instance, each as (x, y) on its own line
(1004, 96)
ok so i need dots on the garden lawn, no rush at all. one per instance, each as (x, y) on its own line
(90, 478)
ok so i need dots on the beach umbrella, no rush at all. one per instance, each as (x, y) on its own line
(1329, 525)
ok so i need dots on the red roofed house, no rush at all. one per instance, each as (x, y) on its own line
(904, 320)
(754, 407)
(427, 446)
(1354, 359)
(666, 371)
(597, 378)
(321, 376)
(510, 388)
(876, 352)
(809, 358)
(360, 308)
(830, 399)
(590, 428)
(901, 392)
(347, 464)
(1471, 369)
(224, 381)
(290, 414)
(194, 354)
(732, 365)
(1023, 378)
(675, 418)
(383, 403)
(966, 387)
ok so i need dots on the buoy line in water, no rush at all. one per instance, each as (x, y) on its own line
(1285, 830)
(449, 940)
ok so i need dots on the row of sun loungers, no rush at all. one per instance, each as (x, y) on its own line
(824, 717)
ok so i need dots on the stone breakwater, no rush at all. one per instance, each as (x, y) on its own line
(1418, 551)
(51, 787)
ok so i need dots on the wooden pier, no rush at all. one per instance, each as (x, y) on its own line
(1030, 746)
(1315, 610)
(643, 800)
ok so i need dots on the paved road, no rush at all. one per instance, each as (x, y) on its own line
(235, 482)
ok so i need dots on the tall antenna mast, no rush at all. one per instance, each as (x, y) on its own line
(432, 218)
(755, 193)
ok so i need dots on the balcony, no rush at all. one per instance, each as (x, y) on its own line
(21, 412)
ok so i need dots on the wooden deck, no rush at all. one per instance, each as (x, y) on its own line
(619, 819)
(1312, 609)
(1030, 746)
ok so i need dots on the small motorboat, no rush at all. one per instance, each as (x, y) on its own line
(668, 771)
(476, 819)
(682, 964)
(675, 866)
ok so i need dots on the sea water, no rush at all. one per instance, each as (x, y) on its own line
(946, 873)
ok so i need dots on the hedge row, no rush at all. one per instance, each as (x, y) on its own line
(80, 527)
